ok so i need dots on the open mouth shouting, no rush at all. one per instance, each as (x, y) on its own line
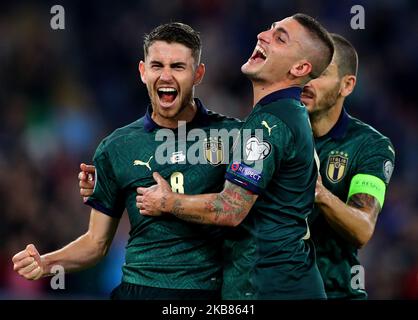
(167, 96)
(259, 55)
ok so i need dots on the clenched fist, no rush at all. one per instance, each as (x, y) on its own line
(86, 180)
(28, 263)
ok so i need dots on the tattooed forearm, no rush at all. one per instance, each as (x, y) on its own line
(214, 205)
(365, 201)
(231, 200)
(221, 204)
(177, 207)
(178, 211)
(233, 203)
(227, 208)
(189, 217)
(164, 202)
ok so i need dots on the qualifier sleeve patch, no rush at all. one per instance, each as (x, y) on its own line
(245, 172)
(256, 150)
(244, 176)
(368, 184)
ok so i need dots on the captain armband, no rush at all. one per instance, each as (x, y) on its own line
(368, 184)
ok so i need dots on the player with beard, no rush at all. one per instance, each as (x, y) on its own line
(269, 191)
(165, 258)
(341, 228)
(356, 165)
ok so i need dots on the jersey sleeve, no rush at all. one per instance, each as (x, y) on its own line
(106, 197)
(374, 169)
(263, 144)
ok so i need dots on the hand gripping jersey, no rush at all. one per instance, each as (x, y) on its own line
(355, 158)
(164, 251)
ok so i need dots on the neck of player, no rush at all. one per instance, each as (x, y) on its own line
(187, 114)
(323, 122)
(262, 89)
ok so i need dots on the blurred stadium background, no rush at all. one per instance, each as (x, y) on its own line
(61, 92)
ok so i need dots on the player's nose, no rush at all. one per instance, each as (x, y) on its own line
(264, 36)
(166, 75)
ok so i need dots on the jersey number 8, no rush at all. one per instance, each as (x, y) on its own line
(177, 182)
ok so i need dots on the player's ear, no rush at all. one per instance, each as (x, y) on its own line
(199, 73)
(301, 69)
(141, 68)
(348, 83)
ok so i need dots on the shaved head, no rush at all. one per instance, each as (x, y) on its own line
(345, 55)
(317, 46)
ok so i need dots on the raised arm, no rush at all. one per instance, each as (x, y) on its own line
(227, 208)
(80, 254)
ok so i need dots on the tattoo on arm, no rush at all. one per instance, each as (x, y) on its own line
(366, 202)
(164, 201)
(178, 211)
(232, 203)
(226, 208)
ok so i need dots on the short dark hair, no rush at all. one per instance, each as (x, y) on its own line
(175, 32)
(346, 56)
(324, 43)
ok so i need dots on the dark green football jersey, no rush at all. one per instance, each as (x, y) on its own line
(269, 255)
(352, 149)
(164, 251)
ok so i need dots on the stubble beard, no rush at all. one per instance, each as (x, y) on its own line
(327, 102)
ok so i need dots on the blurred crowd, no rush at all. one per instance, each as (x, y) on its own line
(62, 91)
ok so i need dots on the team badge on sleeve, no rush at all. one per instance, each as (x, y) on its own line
(256, 150)
(337, 164)
(387, 170)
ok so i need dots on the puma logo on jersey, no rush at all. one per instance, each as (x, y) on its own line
(142, 163)
(264, 123)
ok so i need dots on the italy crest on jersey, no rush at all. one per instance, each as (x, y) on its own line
(337, 164)
(214, 150)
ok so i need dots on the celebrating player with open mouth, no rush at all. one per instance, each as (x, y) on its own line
(268, 254)
(165, 258)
